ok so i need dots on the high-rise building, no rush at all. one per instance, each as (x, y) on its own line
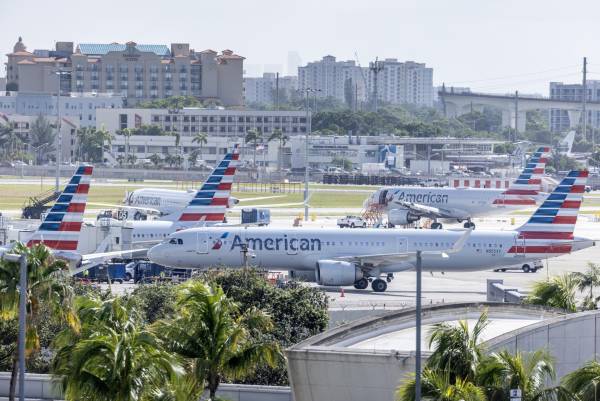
(293, 62)
(263, 89)
(402, 82)
(559, 118)
(134, 71)
(343, 80)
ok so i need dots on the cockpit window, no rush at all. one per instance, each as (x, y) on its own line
(173, 241)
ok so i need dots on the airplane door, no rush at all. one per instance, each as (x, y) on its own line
(202, 243)
(401, 245)
(520, 246)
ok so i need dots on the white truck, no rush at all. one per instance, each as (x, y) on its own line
(529, 267)
(351, 221)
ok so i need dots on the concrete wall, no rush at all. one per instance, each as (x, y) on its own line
(42, 387)
(324, 368)
(572, 340)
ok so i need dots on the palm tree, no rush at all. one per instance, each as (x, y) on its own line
(46, 285)
(526, 371)
(113, 357)
(10, 142)
(457, 348)
(588, 279)
(559, 292)
(126, 132)
(41, 136)
(583, 383)
(201, 138)
(156, 159)
(282, 138)
(253, 136)
(435, 384)
(215, 337)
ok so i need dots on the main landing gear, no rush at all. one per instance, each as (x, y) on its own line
(469, 224)
(378, 284)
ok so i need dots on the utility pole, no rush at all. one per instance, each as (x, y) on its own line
(306, 162)
(583, 103)
(516, 116)
(375, 67)
(418, 330)
(277, 92)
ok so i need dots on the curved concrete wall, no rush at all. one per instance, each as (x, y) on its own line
(572, 340)
(323, 368)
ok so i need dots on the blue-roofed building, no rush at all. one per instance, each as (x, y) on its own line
(135, 72)
(101, 49)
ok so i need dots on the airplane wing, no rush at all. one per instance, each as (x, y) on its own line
(431, 211)
(394, 258)
(94, 257)
(377, 259)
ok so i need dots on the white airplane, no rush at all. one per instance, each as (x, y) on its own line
(348, 257)
(405, 205)
(61, 227)
(207, 207)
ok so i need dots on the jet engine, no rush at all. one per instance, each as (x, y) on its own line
(335, 272)
(401, 217)
(304, 275)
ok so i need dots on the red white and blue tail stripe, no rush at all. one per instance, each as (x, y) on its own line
(550, 229)
(524, 190)
(61, 227)
(212, 199)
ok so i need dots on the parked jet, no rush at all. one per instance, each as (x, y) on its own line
(347, 257)
(61, 227)
(405, 205)
(207, 207)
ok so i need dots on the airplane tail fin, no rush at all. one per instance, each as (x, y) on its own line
(212, 199)
(525, 189)
(61, 227)
(556, 217)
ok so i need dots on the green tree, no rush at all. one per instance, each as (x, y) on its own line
(46, 285)
(584, 383)
(10, 142)
(252, 136)
(201, 138)
(278, 135)
(41, 139)
(156, 159)
(528, 371)
(112, 358)
(297, 312)
(173, 102)
(215, 337)
(588, 280)
(155, 301)
(558, 292)
(457, 348)
(92, 142)
(436, 385)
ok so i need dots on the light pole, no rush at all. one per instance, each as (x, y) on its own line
(418, 330)
(306, 162)
(59, 73)
(22, 260)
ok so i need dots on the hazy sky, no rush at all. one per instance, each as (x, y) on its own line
(467, 42)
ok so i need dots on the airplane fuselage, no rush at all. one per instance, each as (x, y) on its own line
(464, 201)
(301, 249)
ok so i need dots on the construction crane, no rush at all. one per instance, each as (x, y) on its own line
(364, 78)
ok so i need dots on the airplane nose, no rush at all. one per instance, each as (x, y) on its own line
(154, 254)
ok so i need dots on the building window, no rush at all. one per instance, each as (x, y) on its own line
(122, 121)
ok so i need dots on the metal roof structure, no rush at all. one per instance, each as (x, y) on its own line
(100, 49)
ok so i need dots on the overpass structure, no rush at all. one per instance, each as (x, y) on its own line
(514, 108)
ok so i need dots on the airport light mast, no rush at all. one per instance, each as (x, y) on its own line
(306, 142)
(59, 73)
